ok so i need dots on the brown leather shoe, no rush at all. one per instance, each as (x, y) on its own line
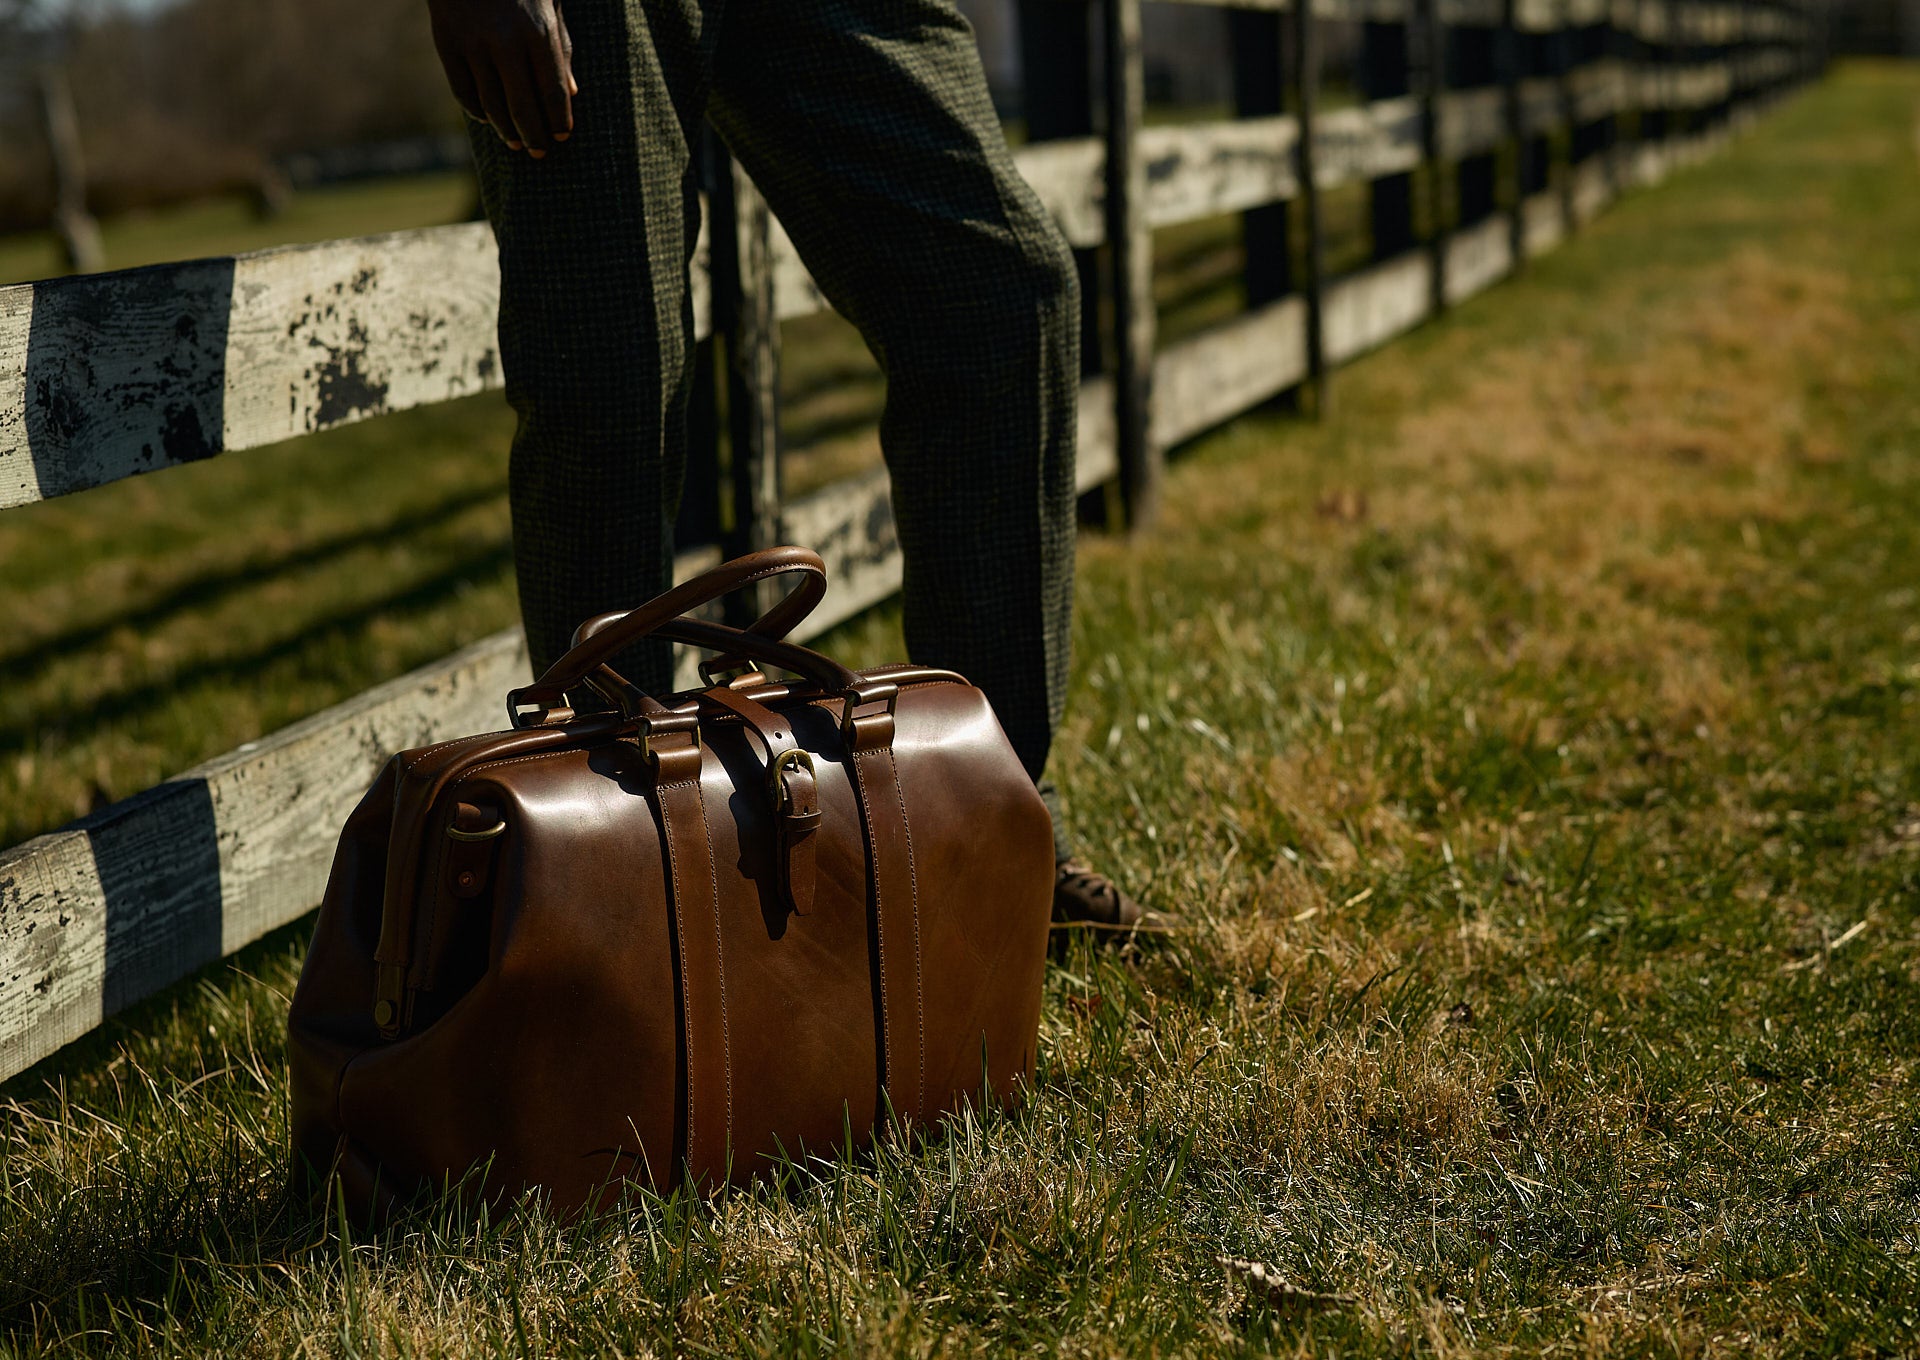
(1086, 900)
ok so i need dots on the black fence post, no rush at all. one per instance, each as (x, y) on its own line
(1386, 72)
(1057, 101)
(705, 513)
(1305, 51)
(1426, 57)
(1507, 65)
(747, 327)
(1472, 62)
(1131, 241)
(1256, 39)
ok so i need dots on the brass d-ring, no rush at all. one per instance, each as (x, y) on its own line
(455, 833)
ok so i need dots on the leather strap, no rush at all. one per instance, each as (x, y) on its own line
(702, 960)
(792, 794)
(598, 639)
(894, 889)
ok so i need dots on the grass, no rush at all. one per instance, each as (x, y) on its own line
(1534, 745)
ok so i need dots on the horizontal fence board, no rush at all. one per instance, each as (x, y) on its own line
(1542, 105)
(1596, 90)
(320, 336)
(1592, 189)
(1367, 142)
(1472, 121)
(1207, 379)
(1478, 257)
(110, 375)
(1365, 310)
(1066, 175)
(850, 524)
(1206, 169)
(1543, 222)
(1098, 458)
(101, 913)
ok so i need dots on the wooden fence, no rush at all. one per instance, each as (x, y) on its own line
(1486, 131)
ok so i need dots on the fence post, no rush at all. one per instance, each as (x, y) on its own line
(704, 514)
(1471, 61)
(1305, 51)
(1259, 91)
(1565, 64)
(747, 325)
(79, 233)
(1386, 72)
(1506, 55)
(1426, 56)
(1131, 240)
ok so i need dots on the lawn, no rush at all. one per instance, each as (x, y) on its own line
(1533, 745)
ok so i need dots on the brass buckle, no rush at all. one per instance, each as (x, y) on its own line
(777, 784)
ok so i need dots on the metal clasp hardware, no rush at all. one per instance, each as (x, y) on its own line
(456, 834)
(852, 699)
(782, 796)
(522, 714)
(646, 733)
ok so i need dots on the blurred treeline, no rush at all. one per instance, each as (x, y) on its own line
(200, 96)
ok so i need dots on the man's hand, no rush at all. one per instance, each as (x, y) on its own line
(509, 62)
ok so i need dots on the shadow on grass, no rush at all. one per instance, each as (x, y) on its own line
(18, 667)
(420, 597)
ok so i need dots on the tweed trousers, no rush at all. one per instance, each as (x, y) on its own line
(867, 126)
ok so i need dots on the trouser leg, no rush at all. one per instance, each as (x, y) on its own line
(596, 320)
(866, 123)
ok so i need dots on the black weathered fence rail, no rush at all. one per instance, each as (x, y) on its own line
(1488, 130)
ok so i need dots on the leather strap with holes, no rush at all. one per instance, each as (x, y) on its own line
(792, 793)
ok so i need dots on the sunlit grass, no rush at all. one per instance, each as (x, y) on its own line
(1533, 745)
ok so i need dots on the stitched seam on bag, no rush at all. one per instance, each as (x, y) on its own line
(913, 882)
(680, 938)
(879, 912)
(409, 766)
(515, 760)
(720, 958)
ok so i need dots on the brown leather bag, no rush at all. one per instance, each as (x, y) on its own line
(674, 941)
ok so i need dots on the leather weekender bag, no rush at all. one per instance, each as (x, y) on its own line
(669, 942)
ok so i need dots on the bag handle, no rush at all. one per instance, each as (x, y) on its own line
(601, 637)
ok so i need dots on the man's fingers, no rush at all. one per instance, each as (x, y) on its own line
(459, 79)
(523, 101)
(493, 101)
(553, 81)
(566, 50)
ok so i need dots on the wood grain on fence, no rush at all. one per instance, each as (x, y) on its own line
(108, 376)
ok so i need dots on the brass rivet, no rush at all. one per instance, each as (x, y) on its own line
(383, 1013)
(466, 878)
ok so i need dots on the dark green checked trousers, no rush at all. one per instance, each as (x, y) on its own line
(867, 126)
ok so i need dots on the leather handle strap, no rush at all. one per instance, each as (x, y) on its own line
(832, 677)
(792, 794)
(602, 637)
